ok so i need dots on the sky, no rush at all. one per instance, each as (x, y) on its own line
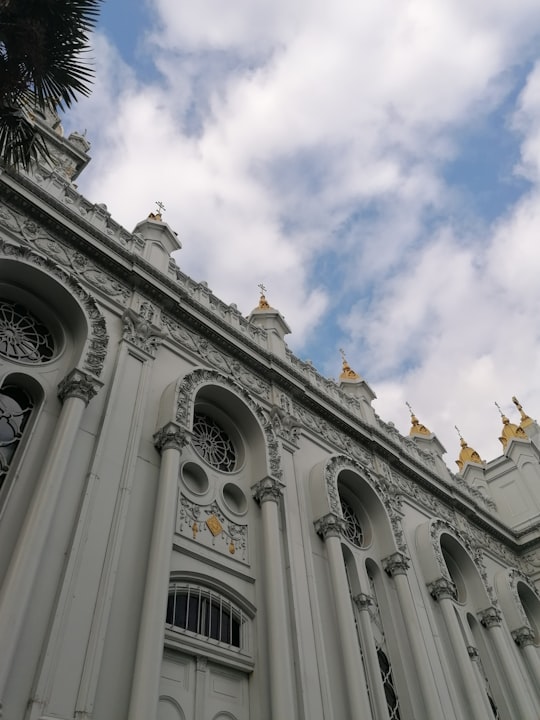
(375, 164)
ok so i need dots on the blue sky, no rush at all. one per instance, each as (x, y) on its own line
(376, 165)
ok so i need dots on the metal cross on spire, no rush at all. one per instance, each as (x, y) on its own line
(261, 288)
(160, 207)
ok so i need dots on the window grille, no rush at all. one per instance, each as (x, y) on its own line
(15, 409)
(392, 702)
(352, 530)
(22, 336)
(213, 444)
(207, 614)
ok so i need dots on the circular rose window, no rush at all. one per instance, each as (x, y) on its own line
(22, 336)
(213, 444)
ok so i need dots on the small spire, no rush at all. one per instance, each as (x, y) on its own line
(347, 372)
(525, 419)
(467, 453)
(510, 430)
(416, 427)
(160, 209)
(263, 302)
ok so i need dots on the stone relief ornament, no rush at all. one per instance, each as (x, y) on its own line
(524, 636)
(285, 425)
(209, 352)
(330, 525)
(396, 564)
(490, 617)
(33, 235)
(187, 390)
(208, 525)
(442, 588)
(80, 385)
(171, 436)
(98, 340)
(140, 331)
(268, 490)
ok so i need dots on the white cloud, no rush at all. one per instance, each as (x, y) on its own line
(280, 136)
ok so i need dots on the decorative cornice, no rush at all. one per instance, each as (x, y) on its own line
(330, 525)
(524, 636)
(442, 589)
(490, 617)
(268, 489)
(396, 564)
(171, 436)
(78, 384)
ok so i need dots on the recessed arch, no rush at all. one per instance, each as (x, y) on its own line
(201, 385)
(340, 472)
(519, 601)
(76, 308)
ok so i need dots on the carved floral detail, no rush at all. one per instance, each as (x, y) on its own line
(171, 436)
(330, 525)
(524, 636)
(396, 564)
(78, 384)
(209, 525)
(140, 331)
(442, 588)
(268, 489)
(490, 617)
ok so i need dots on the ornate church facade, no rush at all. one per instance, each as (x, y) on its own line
(196, 525)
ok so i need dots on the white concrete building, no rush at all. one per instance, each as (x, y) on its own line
(195, 525)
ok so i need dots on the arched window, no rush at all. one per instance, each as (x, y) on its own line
(15, 408)
(205, 613)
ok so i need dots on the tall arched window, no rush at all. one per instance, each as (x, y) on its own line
(15, 408)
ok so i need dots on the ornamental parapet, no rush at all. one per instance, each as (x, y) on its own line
(330, 525)
(490, 617)
(269, 489)
(396, 564)
(78, 384)
(171, 436)
(524, 636)
(442, 588)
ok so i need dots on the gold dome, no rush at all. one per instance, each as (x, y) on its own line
(347, 372)
(468, 454)
(511, 431)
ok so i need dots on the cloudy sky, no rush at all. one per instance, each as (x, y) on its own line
(375, 164)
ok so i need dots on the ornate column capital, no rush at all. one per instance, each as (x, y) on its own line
(330, 525)
(396, 564)
(524, 636)
(473, 652)
(268, 490)
(363, 601)
(171, 435)
(80, 385)
(139, 330)
(442, 588)
(490, 617)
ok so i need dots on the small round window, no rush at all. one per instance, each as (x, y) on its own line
(213, 444)
(353, 530)
(22, 336)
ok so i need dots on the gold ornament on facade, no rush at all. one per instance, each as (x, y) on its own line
(510, 430)
(467, 454)
(263, 302)
(195, 529)
(213, 524)
(347, 372)
(416, 426)
(525, 419)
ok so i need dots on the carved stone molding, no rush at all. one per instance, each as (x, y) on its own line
(330, 525)
(442, 588)
(363, 601)
(187, 390)
(140, 331)
(524, 636)
(171, 436)
(490, 617)
(473, 652)
(78, 384)
(268, 490)
(97, 342)
(396, 564)
(285, 425)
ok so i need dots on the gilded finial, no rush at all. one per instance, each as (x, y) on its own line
(467, 453)
(416, 427)
(347, 372)
(160, 209)
(525, 419)
(263, 302)
(510, 430)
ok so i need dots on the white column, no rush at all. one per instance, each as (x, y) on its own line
(525, 639)
(480, 679)
(396, 566)
(363, 602)
(491, 619)
(145, 687)
(444, 592)
(330, 527)
(75, 392)
(282, 697)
